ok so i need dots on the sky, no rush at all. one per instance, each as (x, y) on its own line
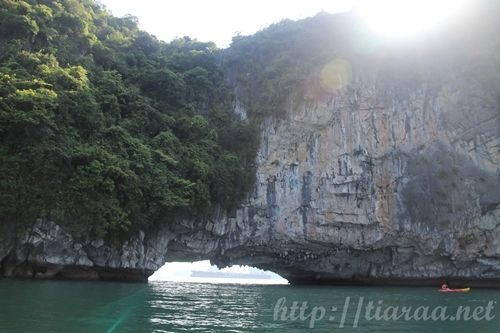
(217, 20)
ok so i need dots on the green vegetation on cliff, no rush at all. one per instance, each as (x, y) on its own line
(104, 128)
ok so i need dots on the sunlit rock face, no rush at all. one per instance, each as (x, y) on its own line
(378, 184)
(390, 175)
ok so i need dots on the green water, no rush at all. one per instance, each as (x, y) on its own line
(55, 306)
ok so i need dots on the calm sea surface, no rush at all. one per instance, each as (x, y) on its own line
(56, 306)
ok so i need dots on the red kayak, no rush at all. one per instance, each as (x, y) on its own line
(460, 290)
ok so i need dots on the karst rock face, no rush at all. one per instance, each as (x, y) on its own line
(385, 179)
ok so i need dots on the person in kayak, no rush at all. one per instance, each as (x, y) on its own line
(446, 289)
(444, 286)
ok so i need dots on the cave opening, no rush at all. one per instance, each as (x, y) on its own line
(203, 271)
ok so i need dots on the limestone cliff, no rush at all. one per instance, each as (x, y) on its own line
(388, 178)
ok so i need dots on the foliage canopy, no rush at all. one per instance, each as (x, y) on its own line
(104, 128)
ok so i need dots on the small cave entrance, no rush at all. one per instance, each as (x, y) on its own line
(202, 271)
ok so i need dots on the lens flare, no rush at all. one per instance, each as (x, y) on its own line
(336, 75)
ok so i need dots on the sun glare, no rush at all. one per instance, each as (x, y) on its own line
(403, 18)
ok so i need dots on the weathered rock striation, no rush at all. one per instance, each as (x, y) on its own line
(383, 180)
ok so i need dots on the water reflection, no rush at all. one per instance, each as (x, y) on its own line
(205, 306)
